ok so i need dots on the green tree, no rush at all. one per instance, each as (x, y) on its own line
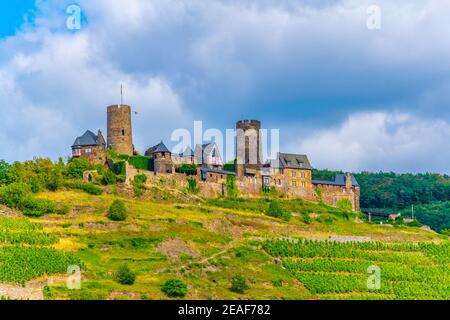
(125, 275)
(239, 284)
(4, 169)
(192, 186)
(117, 211)
(232, 189)
(77, 166)
(174, 288)
(275, 210)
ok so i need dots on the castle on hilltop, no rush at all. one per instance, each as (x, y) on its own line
(290, 174)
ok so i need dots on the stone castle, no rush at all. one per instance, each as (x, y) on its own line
(290, 174)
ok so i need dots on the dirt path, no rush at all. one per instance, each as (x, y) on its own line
(227, 248)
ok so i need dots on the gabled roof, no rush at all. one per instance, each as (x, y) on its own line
(294, 161)
(87, 139)
(339, 180)
(161, 147)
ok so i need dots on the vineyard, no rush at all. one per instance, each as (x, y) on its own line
(341, 270)
(20, 262)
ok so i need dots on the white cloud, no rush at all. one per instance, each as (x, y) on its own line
(287, 62)
(380, 141)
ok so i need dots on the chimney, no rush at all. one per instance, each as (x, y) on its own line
(348, 181)
(100, 139)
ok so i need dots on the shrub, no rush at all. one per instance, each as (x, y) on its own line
(125, 275)
(276, 211)
(139, 184)
(76, 167)
(117, 211)
(119, 167)
(345, 205)
(12, 194)
(187, 169)
(232, 189)
(414, 223)
(140, 178)
(306, 218)
(34, 207)
(239, 284)
(4, 168)
(56, 179)
(319, 194)
(230, 166)
(174, 288)
(140, 162)
(109, 178)
(86, 187)
(192, 186)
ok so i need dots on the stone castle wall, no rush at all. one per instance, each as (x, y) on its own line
(248, 187)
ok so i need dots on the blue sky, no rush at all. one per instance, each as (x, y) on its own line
(13, 15)
(350, 97)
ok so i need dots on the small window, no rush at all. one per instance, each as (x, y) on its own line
(123, 132)
(294, 183)
(294, 173)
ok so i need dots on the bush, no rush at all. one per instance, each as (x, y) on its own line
(345, 205)
(36, 207)
(140, 178)
(4, 169)
(141, 162)
(192, 186)
(139, 184)
(12, 194)
(119, 167)
(276, 211)
(125, 275)
(230, 166)
(232, 189)
(109, 178)
(174, 288)
(239, 284)
(187, 169)
(77, 166)
(86, 187)
(117, 211)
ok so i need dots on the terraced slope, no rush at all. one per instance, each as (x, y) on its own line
(343, 270)
(206, 243)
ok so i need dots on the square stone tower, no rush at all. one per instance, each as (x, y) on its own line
(120, 134)
(248, 146)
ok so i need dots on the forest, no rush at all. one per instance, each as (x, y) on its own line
(428, 192)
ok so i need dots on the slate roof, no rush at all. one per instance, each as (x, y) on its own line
(87, 139)
(161, 147)
(218, 171)
(294, 161)
(339, 180)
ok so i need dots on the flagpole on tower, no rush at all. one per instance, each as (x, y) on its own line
(121, 94)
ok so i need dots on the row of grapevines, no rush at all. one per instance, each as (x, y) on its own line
(19, 264)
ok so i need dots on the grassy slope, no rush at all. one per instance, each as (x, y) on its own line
(216, 243)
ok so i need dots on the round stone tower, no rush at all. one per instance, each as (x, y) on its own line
(120, 134)
(248, 146)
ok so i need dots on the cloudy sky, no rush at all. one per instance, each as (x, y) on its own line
(350, 97)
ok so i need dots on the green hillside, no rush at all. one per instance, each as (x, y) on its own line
(218, 248)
